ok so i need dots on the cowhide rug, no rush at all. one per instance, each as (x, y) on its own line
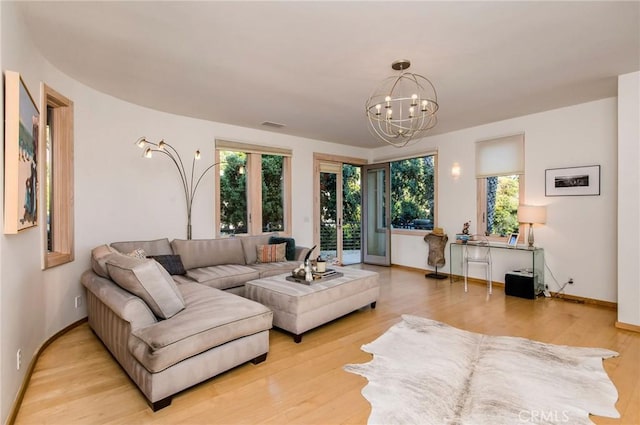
(427, 372)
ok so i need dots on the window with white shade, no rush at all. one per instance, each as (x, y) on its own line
(500, 177)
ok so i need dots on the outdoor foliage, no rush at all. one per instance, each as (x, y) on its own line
(233, 189)
(502, 205)
(351, 206)
(233, 192)
(412, 190)
(272, 193)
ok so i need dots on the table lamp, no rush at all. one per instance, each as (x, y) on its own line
(532, 215)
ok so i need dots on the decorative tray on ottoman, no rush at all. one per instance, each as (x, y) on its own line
(317, 276)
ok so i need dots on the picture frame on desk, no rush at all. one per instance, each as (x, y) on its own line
(513, 240)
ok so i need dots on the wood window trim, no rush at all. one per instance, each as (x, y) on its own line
(481, 185)
(419, 232)
(62, 227)
(254, 187)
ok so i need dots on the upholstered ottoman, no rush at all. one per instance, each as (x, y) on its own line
(298, 308)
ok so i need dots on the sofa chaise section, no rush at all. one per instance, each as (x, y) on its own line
(215, 332)
(176, 321)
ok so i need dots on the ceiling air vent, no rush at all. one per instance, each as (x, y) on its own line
(272, 124)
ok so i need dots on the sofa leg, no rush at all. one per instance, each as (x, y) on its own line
(297, 338)
(373, 304)
(160, 404)
(259, 359)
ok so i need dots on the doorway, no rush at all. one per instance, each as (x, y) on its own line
(338, 210)
(377, 214)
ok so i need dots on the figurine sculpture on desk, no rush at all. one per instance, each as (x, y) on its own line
(464, 236)
(437, 241)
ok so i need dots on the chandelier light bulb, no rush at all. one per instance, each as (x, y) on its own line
(148, 153)
(161, 145)
(414, 99)
(197, 156)
(141, 142)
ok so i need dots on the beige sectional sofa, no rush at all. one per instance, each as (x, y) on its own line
(170, 332)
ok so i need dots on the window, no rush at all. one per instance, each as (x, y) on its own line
(272, 193)
(413, 193)
(255, 187)
(58, 152)
(233, 192)
(500, 174)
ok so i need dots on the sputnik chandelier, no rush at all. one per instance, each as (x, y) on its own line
(403, 107)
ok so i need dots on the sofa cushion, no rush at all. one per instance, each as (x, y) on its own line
(99, 256)
(195, 329)
(155, 247)
(171, 263)
(271, 253)
(208, 252)
(272, 269)
(249, 244)
(148, 280)
(291, 245)
(224, 276)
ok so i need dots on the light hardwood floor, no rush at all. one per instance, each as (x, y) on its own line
(77, 382)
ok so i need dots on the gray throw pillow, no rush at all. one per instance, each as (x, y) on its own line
(291, 245)
(148, 280)
(171, 263)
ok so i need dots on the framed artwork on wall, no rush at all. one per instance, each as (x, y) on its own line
(20, 156)
(573, 181)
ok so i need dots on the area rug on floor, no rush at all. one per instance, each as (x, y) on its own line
(427, 372)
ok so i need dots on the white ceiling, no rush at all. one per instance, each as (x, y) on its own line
(311, 65)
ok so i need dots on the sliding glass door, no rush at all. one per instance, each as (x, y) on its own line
(376, 214)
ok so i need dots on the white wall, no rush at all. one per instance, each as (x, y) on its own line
(629, 199)
(22, 303)
(2, 415)
(118, 196)
(579, 237)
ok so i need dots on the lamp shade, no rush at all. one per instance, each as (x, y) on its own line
(532, 214)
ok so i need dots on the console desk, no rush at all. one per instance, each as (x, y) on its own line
(519, 258)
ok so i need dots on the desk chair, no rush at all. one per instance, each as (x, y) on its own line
(477, 252)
